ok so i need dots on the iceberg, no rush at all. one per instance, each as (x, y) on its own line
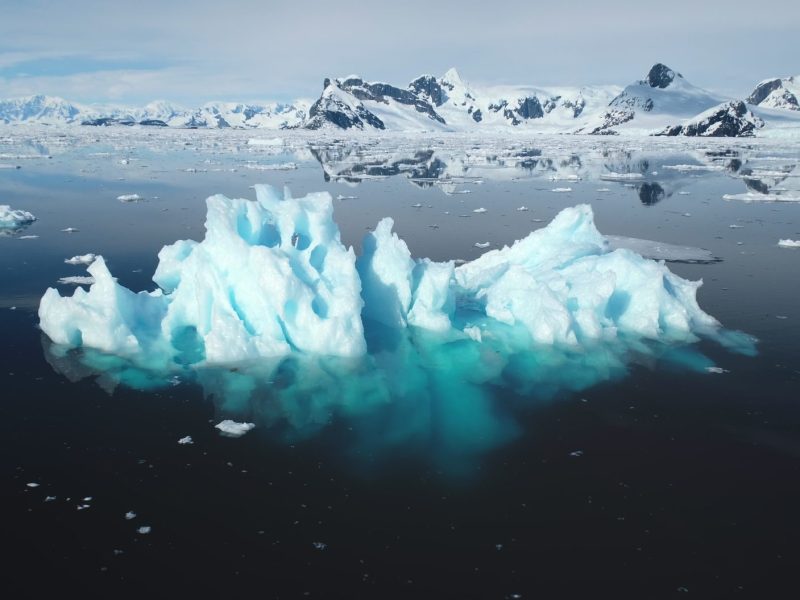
(12, 220)
(271, 278)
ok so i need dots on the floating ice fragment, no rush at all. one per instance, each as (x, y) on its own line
(576, 453)
(32, 485)
(561, 189)
(756, 197)
(81, 259)
(186, 440)
(289, 166)
(343, 197)
(129, 198)
(612, 176)
(482, 244)
(789, 243)
(717, 370)
(14, 218)
(70, 230)
(320, 545)
(479, 210)
(76, 280)
(49, 498)
(474, 332)
(234, 429)
(130, 515)
(27, 237)
(144, 529)
(523, 208)
(661, 250)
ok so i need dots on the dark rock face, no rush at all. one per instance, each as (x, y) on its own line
(477, 116)
(731, 119)
(530, 108)
(660, 76)
(378, 92)
(428, 86)
(153, 123)
(107, 121)
(611, 118)
(763, 90)
(329, 109)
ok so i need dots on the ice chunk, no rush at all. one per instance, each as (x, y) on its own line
(482, 244)
(81, 259)
(561, 189)
(234, 429)
(789, 243)
(14, 219)
(186, 440)
(76, 280)
(129, 198)
(479, 210)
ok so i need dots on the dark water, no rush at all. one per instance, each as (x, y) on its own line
(643, 476)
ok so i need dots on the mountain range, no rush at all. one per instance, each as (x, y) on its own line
(662, 103)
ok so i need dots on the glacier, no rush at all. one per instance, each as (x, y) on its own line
(272, 279)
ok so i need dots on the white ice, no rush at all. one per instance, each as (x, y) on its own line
(272, 278)
(81, 259)
(12, 219)
(233, 429)
(789, 243)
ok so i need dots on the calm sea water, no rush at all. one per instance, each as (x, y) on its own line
(410, 476)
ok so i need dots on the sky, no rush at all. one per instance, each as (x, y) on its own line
(97, 51)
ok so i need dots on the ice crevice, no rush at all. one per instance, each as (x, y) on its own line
(272, 278)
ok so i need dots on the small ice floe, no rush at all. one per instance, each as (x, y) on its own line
(789, 243)
(186, 440)
(14, 219)
(70, 230)
(479, 210)
(32, 484)
(83, 506)
(523, 209)
(288, 166)
(661, 250)
(686, 214)
(735, 226)
(417, 205)
(343, 197)
(319, 545)
(560, 190)
(756, 197)
(576, 453)
(124, 161)
(27, 237)
(81, 259)
(233, 429)
(474, 332)
(603, 190)
(129, 198)
(76, 280)
(612, 176)
(144, 529)
(482, 244)
(684, 193)
(130, 515)
(50, 499)
(265, 142)
(717, 370)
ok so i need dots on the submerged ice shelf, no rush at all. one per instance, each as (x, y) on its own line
(272, 278)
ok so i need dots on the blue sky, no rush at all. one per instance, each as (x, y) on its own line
(192, 52)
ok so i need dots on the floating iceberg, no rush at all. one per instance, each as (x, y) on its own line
(13, 220)
(272, 278)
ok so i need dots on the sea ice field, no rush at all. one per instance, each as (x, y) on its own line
(445, 365)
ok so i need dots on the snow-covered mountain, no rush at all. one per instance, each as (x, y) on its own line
(659, 100)
(52, 110)
(663, 103)
(729, 119)
(777, 93)
(448, 103)
(42, 109)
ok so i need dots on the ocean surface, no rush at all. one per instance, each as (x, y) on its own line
(412, 475)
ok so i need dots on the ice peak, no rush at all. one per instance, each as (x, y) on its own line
(453, 77)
